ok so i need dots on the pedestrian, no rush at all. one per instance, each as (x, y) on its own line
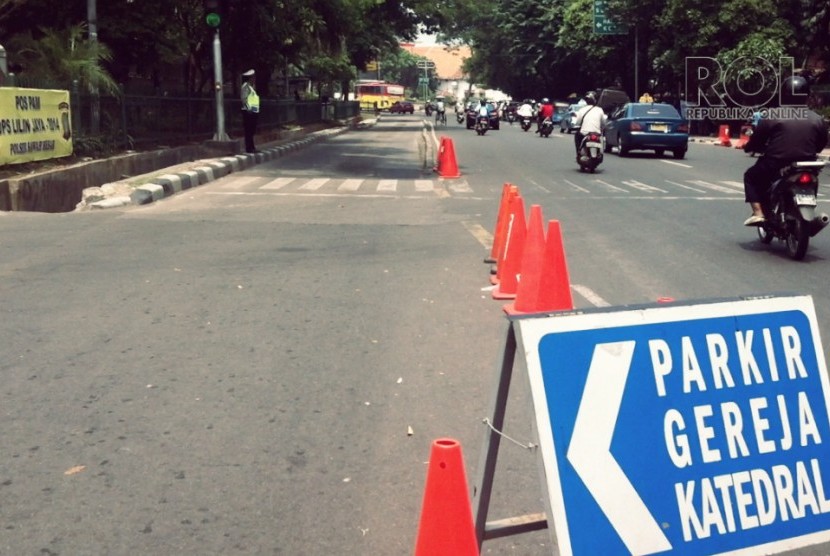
(296, 95)
(250, 109)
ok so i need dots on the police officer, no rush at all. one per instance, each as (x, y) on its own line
(250, 109)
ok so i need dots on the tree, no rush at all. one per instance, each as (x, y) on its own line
(61, 58)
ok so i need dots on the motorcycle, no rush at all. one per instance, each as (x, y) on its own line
(791, 209)
(590, 152)
(460, 117)
(546, 128)
(525, 123)
(482, 125)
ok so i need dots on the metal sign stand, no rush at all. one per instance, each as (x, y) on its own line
(483, 486)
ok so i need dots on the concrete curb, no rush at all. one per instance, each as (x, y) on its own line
(167, 185)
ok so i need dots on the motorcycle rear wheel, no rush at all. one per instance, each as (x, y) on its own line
(798, 239)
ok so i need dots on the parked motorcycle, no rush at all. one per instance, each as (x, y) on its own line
(590, 152)
(791, 211)
(482, 125)
(525, 123)
(547, 127)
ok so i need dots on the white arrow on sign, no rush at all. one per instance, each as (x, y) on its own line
(590, 451)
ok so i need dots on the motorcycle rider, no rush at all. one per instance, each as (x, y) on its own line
(525, 110)
(590, 118)
(440, 110)
(483, 111)
(545, 111)
(781, 143)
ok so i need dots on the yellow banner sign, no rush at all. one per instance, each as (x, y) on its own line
(34, 125)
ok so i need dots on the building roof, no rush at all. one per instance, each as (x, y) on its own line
(447, 59)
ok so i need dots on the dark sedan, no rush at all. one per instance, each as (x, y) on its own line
(402, 107)
(647, 126)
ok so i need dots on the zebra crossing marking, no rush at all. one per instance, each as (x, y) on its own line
(612, 187)
(350, 185)
(712, 186)
(643, 186)
(460, 187)
(387, 186)
(278, 183)
(314, 184)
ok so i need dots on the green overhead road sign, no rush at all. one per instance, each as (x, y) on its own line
(603, 25)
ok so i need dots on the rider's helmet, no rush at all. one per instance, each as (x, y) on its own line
(794, 91)
(545, 100)
(591, 98)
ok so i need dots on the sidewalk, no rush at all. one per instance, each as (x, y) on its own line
(145, 177)
(151, 187)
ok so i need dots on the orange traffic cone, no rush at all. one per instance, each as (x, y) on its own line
(555, 290)
(447, 166)
(505, 191)
(530, 280)
(446, 527)
(500, 231)
(723, 137)
(509, 264)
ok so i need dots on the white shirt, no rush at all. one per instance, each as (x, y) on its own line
(590, 119)
(525, 111)
(482, 110)
(440, 106)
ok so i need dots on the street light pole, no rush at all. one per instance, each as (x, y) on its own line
(221, 135)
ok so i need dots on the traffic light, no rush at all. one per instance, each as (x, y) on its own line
(213, 16)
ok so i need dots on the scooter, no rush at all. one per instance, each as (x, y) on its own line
(460, 117)
(791, 210)
(546, 128)
(525, 123)
(482, 125)
(590, 152)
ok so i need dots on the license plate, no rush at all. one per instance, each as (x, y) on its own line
(593, 144)
(659, 127)
(805, 199)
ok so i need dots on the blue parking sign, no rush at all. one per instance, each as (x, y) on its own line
(684, 429)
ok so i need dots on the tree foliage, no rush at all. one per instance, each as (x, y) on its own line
(166, 45)
(529, 48)
(543, 47)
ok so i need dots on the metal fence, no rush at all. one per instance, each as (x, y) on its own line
(132, 120)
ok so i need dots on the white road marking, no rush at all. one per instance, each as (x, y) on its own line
(315, 184)
(278, 183)
(350, 185)
(677, 163)
(643, 186)
(387, 186)
(686, 186)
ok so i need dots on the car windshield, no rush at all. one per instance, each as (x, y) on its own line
(654, 111)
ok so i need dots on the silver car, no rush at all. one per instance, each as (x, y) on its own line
(566, 125)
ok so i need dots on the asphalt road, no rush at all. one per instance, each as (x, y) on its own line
(237, 369)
